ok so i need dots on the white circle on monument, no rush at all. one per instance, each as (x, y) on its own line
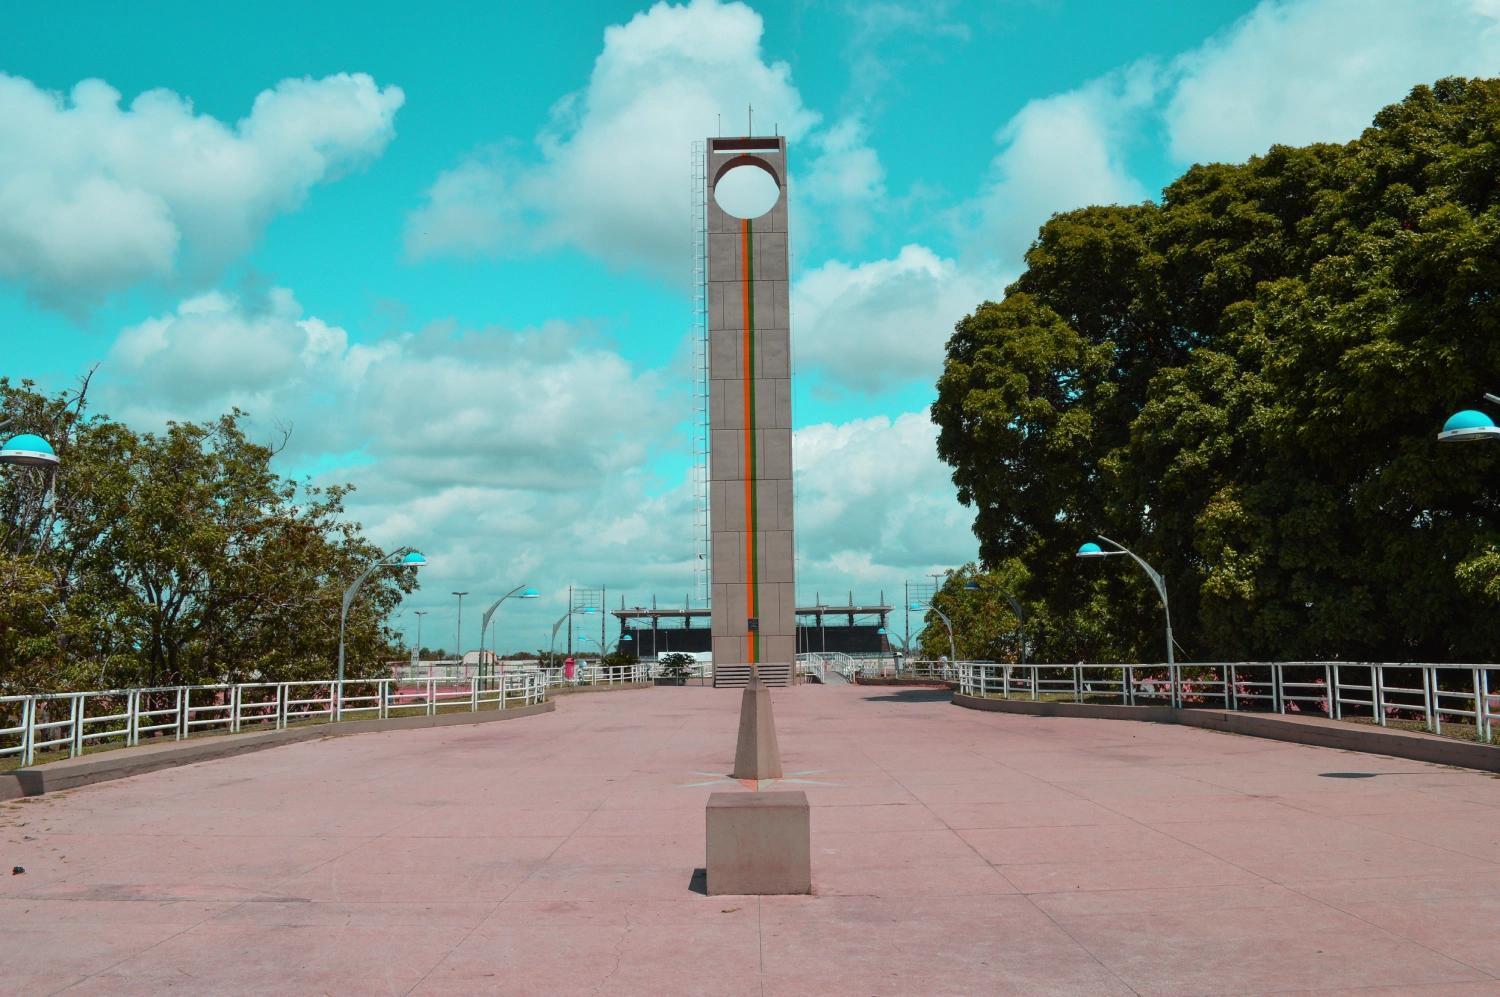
(746, 192)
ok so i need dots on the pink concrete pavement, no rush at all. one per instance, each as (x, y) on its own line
(954, 852)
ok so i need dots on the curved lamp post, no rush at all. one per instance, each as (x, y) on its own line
(889, 637)
(403, 557)
(552, 643)
(952, 648)
(884, 632)
(520, 591)
(973, 586)
(1094, 550)
(1470, 425)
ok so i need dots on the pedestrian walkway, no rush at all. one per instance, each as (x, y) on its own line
(954, 852)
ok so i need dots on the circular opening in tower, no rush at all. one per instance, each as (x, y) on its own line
(746, 192)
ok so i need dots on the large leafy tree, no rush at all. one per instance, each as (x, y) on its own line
(174, 557)
(1243, 383)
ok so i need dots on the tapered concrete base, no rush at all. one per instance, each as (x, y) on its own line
(757, 755)
(759, 844)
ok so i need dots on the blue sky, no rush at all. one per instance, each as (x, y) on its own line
(448, 244)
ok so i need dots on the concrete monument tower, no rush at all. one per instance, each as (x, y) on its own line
(750, 421)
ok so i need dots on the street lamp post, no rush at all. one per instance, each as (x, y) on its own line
(973, 586)
(459, 635)
(1094, 550)
(404, 557)
(900, 642)
(952, 648)
(521, 591)
(552, 643)
(419, 613)
(31, 451)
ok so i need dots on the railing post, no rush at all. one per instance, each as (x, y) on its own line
(132, 718)
(234, 708)
(1377, 694)
(182, 703)
(1484, 694)
(385, 698)
(1478, 709)
(431, 692)
(474, 694)
(1277, 678)
(281, 698)
(1077, 684)
(1430, 701)
(75, 715)
(335, 701)
(1229, 685)
(1427, 700)
(1035, 671)
(1129, 686)
(28, 735)
(1333, 694)
(1328, 682)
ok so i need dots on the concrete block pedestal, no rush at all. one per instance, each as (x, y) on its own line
(759, 844)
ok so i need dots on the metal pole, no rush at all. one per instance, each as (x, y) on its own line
(459, 635)
(1020, 622)
(384, 560)
(948, 625)
(1161, 590)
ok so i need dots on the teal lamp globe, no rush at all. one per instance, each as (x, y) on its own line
(1090, 549)
(626, 637)
(881, 632)
(28, 450)
(1468, 426)
(531, 593)
(588, 610)
(413, 560)
(916, 605)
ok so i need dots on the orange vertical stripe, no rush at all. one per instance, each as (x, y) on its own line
(746, 288)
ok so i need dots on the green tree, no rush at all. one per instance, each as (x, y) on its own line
(178, 557)
(1243, 384)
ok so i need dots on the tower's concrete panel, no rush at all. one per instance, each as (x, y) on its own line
(750, 416)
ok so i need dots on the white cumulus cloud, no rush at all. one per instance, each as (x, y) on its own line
(95, 197)
(611, 171)
(1063, 152)
(541, 408)
(874, 503)
(871, 325)
(1318, 70)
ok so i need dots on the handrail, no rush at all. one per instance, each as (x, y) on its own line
(1457, 694)
(116, 718)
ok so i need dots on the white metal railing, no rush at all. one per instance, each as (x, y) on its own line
(812, 665)
(1383, 693)
(74, 722)
(598, 674)
(821, 663)
(895, 666)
